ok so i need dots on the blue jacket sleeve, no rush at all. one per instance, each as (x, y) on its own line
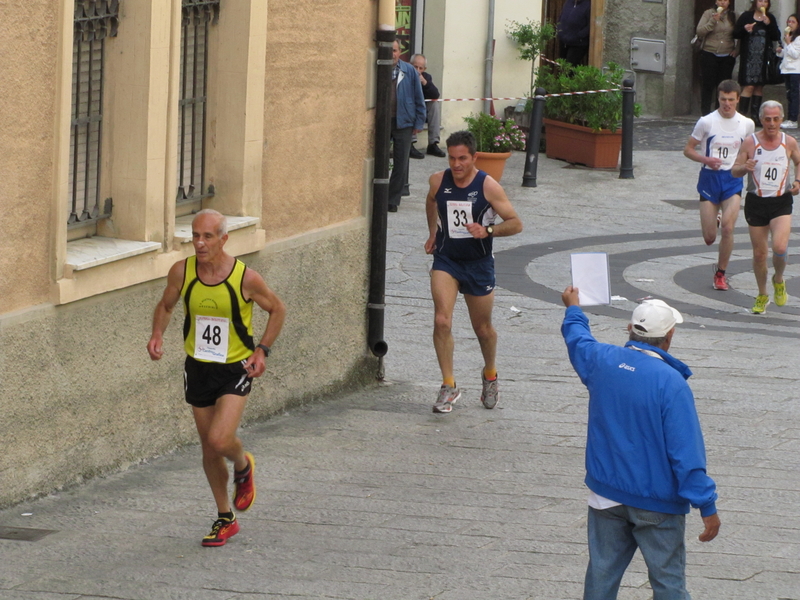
(579, 340)
(686, 449)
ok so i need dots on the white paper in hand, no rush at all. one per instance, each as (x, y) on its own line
(590, 275)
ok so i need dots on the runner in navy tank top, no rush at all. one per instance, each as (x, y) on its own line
(461, 208)
(455, 208)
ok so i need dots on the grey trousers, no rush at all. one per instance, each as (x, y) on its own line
(401, 142)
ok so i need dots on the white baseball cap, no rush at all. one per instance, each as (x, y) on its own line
(654, 319)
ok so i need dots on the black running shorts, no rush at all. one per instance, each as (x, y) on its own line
(758, 212)
(204, 382)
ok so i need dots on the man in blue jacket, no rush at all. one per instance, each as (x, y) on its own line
(645, 456)
(573, 31)
(408, 117)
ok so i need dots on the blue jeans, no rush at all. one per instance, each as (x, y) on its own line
(614, 535)
(792, 95)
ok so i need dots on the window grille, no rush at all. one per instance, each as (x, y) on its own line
(197, 16)
(94, 21)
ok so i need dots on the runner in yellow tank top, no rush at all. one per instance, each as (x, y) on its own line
(222, 360)
(217, 327)
(765, 157)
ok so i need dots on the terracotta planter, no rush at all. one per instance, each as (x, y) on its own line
(581, 145)
(493, 163)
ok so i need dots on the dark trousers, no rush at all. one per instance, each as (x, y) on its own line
(714, 69)
(401, 142)
(792, 94)
(575, 55)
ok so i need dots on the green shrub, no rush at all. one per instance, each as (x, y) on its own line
(597, 111)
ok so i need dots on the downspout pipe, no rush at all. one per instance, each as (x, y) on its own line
(489, 63)
(385, 36)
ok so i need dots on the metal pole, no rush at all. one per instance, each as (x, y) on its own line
(380, 196)
(628, 98)
(534, 139)
(488, 66)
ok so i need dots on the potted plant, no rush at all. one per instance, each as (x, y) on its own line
(584, 128)
(532, 38)
(495, 139)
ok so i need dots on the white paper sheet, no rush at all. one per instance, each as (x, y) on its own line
(590, 275)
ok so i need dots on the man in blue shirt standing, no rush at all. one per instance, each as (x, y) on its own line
(408, 117)
(645, 455)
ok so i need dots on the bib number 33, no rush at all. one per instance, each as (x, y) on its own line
(459, 214)
(211, 338)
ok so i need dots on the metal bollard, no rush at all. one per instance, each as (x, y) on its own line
(534, 139)
(628, 98)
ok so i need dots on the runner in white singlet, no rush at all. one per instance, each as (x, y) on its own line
(765, 157)
(720, 135)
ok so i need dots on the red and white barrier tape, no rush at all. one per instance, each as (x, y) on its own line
(523, 97)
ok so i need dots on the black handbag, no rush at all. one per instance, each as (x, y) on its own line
(772, 68)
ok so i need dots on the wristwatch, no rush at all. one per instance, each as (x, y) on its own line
(490, 230)
(265, 349)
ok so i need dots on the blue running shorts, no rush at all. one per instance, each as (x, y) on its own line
(716, 186)
(474, 277)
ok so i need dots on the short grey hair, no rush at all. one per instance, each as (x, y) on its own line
(222, 221)
(769, 104)
(658, 342)
(422, 56)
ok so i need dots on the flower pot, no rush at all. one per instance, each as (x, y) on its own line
(493, 163)
(580, 145)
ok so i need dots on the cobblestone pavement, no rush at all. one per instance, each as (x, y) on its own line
(369, 495)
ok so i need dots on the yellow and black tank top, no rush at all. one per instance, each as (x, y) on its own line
(218, 325)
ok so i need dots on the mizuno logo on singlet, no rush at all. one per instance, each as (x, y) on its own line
(448, 190)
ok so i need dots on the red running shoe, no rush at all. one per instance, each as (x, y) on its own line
(221, 531)
(719, 281)
(245, 486)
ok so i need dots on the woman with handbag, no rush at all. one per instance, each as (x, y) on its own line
(718, 51)
(790, 67)
(756, 29)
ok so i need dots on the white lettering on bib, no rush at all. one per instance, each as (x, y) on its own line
(459, 214)
(211, 338)
(770, 176)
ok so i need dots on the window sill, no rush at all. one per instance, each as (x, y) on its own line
(95, 251)
(98, 265)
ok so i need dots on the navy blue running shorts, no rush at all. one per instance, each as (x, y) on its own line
(716, 186)
(474, 277)
(758, 212)
(204, 382)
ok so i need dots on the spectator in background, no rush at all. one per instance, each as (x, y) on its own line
(718, 52)
(573, 31)
(434, 109)
(755, 29)
(408, 117)
(790, 67)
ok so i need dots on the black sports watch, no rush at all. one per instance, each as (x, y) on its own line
(265, 349)
(490, 230)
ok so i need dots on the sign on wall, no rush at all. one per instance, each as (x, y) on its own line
(403, 24)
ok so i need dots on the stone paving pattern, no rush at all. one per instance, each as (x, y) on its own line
(369, 495)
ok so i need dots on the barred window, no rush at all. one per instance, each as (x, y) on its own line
(94, 21)
(197, 17)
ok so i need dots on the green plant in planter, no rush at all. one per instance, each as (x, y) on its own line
(597, 111)
(532, 38)
(494, 135)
